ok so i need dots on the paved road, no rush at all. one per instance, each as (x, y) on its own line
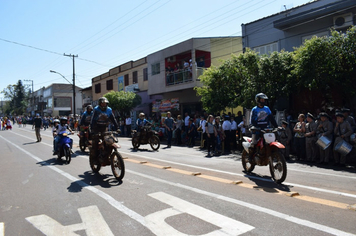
(175, 191)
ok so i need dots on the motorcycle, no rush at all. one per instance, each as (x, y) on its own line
(108, 155)
(65, 147)
(147, 136)
(83, 138)
(266, 152)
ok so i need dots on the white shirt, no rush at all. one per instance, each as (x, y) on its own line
(226, 125)
(202, 124)
(186, 120)
(233, 125)
(128, 121)
(241, 125)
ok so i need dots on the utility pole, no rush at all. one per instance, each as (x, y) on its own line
(29, 80)
(73, 56)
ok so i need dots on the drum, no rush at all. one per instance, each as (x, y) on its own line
(323, 142)
(343, 148)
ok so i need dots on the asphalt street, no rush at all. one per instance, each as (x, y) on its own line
(172, 191)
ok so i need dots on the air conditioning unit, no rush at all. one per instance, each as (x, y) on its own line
(343, 21)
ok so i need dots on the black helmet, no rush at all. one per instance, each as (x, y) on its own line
(89, 107)
(64, 119)
(260, 96)
(103, 100)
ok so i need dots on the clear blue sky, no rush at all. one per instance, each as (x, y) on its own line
(35, 34)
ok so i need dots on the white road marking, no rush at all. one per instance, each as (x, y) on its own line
(227, 225)
(92, 222)
(119, 206)
(273, 213)
(2, 229)
(242, 175)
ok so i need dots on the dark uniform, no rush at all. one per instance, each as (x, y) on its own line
(325, 128)
(342, 131)
(310, 138)
(285, 138)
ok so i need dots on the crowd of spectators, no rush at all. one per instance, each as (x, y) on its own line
(319, 138)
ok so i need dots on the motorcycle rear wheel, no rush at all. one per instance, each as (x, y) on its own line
(117, 165)
(67, 154)
(154, 142)
(248, 167)
(135, 142)
(82, 145)
(94, 165)
(278, 167)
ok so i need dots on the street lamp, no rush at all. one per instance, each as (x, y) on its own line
(52, 71)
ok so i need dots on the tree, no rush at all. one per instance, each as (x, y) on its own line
(123, 101)
(238, 80)
(18, 98)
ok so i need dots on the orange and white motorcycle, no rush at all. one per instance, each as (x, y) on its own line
(266, 152)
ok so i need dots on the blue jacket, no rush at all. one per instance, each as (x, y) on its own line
(261, 116)
(86, 118)
(100, 119)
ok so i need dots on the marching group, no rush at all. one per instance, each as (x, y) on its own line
(319, 138)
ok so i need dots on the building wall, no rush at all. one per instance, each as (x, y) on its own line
(263, 31)
(219, 48)
(115, 73)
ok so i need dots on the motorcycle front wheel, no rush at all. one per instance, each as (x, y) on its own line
(67, 154)
(154, 142)
(94, 165)
(117, 165)
(248, 167)
(278, 167)
(135, 142)
(82, 145)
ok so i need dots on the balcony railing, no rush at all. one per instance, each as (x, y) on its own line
(182, 76)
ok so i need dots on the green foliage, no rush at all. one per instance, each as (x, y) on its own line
(238, 80)
(322, 64)
(18, 99)
(122, 101)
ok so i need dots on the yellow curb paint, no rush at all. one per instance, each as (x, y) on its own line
(250, 186)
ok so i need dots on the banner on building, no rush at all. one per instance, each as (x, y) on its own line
(165, 105)
(121, 83)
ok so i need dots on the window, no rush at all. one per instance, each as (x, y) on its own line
(63, 102)
(109, 85)
(126, 79)
(155, 68)
(134, 77)
(98, 88)
(145, 74)
(266, 49)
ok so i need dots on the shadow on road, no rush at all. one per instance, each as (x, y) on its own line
(266, 183)
(92, 179)
(30, 143)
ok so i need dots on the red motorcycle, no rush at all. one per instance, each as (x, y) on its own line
(266, 152)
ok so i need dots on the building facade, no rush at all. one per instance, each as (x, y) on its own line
(174, 71)
(290, 28)
(55, 100)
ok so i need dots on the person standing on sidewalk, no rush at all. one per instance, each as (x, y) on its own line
(168, 124)
(38, 125)
(128, 125)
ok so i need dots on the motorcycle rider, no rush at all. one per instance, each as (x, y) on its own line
(102, 115)
(85, 120)
(140, 123)
(55, 135)
(86, 117)
(261, 116)
(62, 126)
